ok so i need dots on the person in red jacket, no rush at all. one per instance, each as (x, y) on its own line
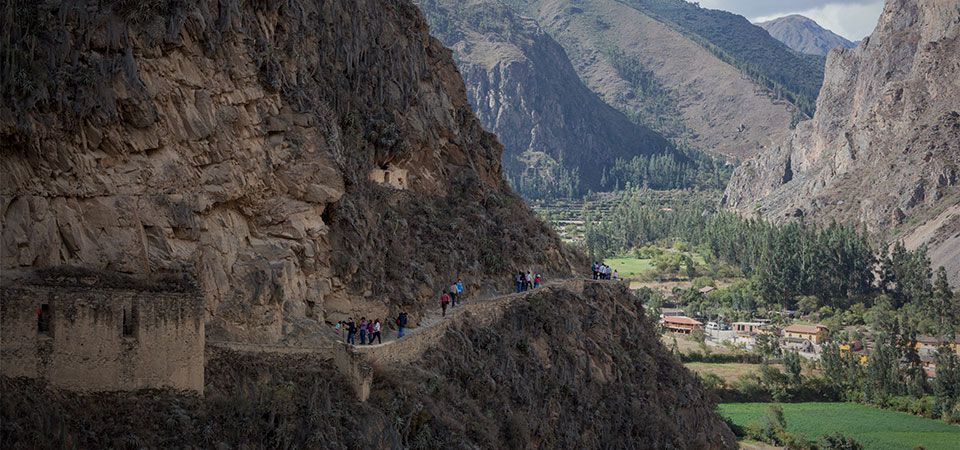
(444, 301)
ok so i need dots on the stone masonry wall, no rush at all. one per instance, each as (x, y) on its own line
(86, 347)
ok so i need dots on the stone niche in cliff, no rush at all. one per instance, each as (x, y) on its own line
(391, 176)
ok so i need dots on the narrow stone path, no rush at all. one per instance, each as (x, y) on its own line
(435, 316)
(356, 361)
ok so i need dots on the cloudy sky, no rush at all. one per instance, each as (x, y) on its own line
(852, 19)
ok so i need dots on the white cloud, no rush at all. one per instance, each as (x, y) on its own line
(852, 19)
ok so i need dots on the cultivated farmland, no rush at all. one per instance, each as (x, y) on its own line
(874, 428)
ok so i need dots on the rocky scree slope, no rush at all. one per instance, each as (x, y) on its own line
(547, 374)
(804, 35)
(884, 146)
(248, 143)
(680, 70)
(523, 88)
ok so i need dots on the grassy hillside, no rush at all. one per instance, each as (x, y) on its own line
(734, 39)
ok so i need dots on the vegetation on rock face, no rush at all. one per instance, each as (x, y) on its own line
(562, 370)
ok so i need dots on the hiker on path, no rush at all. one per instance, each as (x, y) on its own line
(363, 331)
(351, 332)
(460, 289)
(444, 301)
(370, 332)
(529, 280)
(536, 281)
(376, 332)
(518, 279)
(616, 275)
(401, 323)
(453, 294)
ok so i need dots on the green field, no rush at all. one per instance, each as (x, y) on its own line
(630, 267)
(874, 428)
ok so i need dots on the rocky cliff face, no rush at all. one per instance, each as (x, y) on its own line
(884, 146)
(524, 89)
(306, 160)
(804, 35)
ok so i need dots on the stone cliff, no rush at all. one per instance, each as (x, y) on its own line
(306, 160)
(883, 148)
(524, 88)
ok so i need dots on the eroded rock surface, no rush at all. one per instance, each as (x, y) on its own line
(236, 140)
(883, 148)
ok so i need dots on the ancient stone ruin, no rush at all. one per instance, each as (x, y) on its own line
(86, 334)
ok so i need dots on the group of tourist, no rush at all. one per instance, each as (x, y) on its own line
(369, 330)
(603, 272)
(525, 281)
(450, 296)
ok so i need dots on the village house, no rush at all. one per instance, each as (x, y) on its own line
(748, 328)
(681, 324)
(671, 312)
(813, 333)
(80, 334)
(928, 345)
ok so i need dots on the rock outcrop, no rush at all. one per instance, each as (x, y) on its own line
(523, 88)
(884, 146)
(306, 160)
(804, 35)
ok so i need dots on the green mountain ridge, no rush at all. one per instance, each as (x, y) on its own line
(560, 139)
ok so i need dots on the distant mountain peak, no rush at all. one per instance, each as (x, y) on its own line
(804, 35)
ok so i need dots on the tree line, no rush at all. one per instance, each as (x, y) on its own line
(788, 265)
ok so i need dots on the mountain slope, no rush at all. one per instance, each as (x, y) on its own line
(651, 68)
(558, 136)
(247, 143)
(884, 146)
(804, 35)
(734, 39)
